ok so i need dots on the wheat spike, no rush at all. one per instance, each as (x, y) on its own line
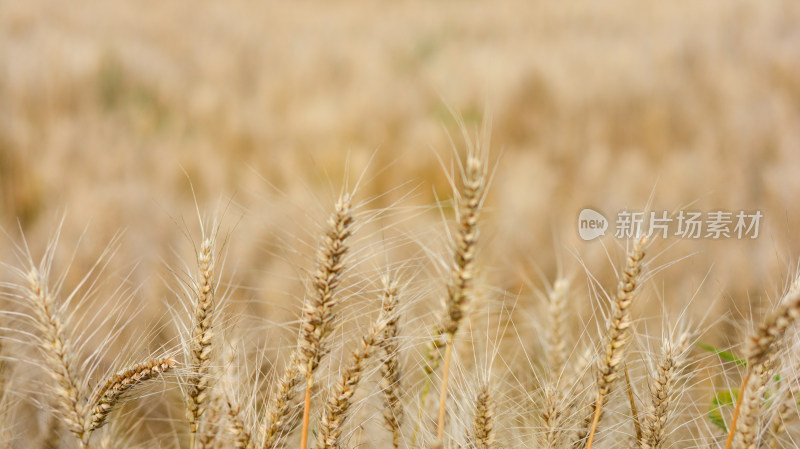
(462, 273)
(482, 434)
(202, 334)
(663, 391)
(618, 334)
(280, 417)
(763, 344)
(340, 398)
(318, 316)
(107, 397)
(557, 344)
(56, 349)
(750, 408)
(553, 418)
(237, 428)
(391, 374)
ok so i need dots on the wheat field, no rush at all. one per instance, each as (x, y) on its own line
(357, 225)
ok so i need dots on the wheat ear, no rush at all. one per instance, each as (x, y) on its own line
(663, 387)
(482, 433)
(786, 409)
(618, 332)
(237, 428)
(750, 408)
(553, 417)
(279, 420)
(556, 307)
(56, 349)
(340, 398)
(459, 289)
(318, 316)
(763, 344)
(108, 397)
(391, 374)
(202, 336)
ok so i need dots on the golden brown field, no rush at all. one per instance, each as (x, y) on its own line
(168, 170)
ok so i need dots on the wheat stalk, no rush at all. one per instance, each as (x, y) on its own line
(460, 286)
(202, 336)
(552, 417)
(279, 420)
(340, 398)
(482, 435)
(618, 333)
(750, 408)
(557, 306)
(763, 344)
(237, 428)
(318, 316)
(109, 395)
(663, 391)
(56, 349)
(391, 374)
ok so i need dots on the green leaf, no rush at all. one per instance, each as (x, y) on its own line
(724, 355)
(723, 398)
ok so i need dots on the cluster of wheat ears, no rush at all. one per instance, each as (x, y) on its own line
(570, 408)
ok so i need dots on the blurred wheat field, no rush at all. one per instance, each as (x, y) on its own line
(126, 127)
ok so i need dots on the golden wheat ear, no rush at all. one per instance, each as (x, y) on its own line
(462, 273)
(482, 434)
(664, 389)
(236, 427)
(202, 334)
(340, 397)
(618, 336)
(57, 351)
(316, 325)
(761, 347)
(391, 371)
(110, 394)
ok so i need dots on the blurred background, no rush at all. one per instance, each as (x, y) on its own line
(128, 116)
